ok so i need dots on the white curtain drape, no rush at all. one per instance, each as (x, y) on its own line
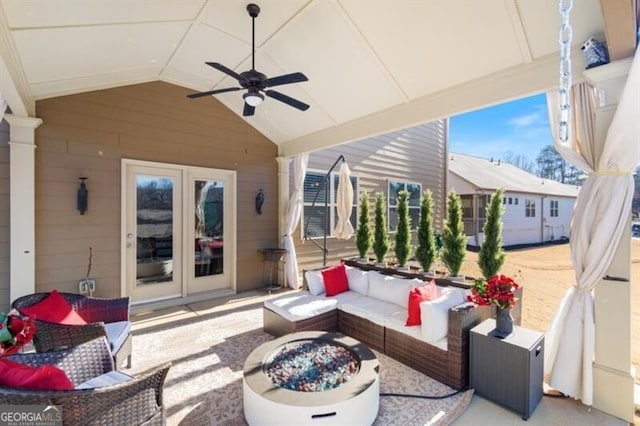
(292, 213)
(600, 215)
(344, 204)
(3, 106)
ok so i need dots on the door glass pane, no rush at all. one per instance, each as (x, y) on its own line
(154, 229)
(209, 230)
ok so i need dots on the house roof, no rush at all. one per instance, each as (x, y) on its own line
(373, 66)
(487, 174)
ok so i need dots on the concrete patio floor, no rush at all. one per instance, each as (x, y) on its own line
(550, 411)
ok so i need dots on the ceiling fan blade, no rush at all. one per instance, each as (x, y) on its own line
(248, 110)
(213, 92)
(287, 100)
(226, 70)
(295, 77)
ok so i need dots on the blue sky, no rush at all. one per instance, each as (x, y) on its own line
(520, 126)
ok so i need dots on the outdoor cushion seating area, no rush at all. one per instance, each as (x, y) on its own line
(94, 396)
(65, 320)
(374, 308)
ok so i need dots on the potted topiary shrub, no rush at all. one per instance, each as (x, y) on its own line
(427, 250)
(454, 241)
(403, 231)
(364, 239)
(491, 255)
(380, 235)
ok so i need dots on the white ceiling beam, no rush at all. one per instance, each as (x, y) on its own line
(13, 84)
(518, 30)
(524, 80)
(620, 26)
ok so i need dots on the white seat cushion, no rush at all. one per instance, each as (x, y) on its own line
(397, 322)
(301, 306)
(391, 289)
(315, 282)
(374, 310)
(434, 314)
(346, 297)
(358, 280)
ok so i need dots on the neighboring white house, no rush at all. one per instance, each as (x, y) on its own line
(536, 210)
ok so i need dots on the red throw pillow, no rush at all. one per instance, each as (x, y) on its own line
(21, 376)
(416, 296)
(53, 308)
(335, 280)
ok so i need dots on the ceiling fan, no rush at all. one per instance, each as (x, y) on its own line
(255, 82)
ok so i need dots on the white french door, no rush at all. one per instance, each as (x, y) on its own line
(178, 230)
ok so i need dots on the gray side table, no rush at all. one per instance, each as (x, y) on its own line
(507, 371)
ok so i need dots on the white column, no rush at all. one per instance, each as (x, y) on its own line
(22, 198)
(613, 379)
(283, 199)
(284, 178)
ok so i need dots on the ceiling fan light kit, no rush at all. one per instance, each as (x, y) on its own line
(255, 82)
(253, 98)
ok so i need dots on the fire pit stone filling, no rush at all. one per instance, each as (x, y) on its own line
(311, 378)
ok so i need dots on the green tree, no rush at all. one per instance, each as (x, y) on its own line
(380, 236)
(403, 231)
(551, 165)
(364, 239)
(491, 255)
(427, 250)
(454, 248)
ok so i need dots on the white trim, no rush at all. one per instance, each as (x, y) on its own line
(22, 246)
(230, 249)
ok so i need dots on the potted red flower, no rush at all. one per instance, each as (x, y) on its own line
(499, 291)
(15, 331)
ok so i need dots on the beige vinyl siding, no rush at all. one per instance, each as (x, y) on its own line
(415, 155)
(88, 134)
(4, 217)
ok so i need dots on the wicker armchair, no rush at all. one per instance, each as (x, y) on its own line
(97, 312)
(134, 402)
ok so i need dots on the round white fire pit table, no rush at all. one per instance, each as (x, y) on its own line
(353, 402)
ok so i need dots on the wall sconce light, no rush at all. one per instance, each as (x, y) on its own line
(259, 201)
(83, 196)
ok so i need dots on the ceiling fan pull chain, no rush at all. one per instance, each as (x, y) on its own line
(565, 35)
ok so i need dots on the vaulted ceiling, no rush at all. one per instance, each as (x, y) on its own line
(373, 65)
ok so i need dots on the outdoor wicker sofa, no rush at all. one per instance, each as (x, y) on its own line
(134, 402)
(380, 325)
(104, 317)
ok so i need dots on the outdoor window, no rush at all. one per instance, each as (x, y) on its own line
(529, 208)
(483, 202)
(415, 191)
(467, 206)
(515, 201)
(313, 215)
(554, 208)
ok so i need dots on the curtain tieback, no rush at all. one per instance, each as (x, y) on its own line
(611, 173)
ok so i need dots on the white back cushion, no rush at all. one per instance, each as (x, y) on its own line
(358, 280)
(390, 289)
(315, 282)
(434, 314)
